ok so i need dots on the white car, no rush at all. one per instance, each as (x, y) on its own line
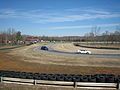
(84, 52)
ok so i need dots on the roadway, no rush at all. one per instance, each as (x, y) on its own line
(73, 53)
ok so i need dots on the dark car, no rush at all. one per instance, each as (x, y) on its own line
(44, 48)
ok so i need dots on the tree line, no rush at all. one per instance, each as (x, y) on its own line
(13, 37)
(96, 36)
(10, 36)
(92, 36)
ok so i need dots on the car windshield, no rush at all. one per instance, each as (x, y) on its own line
(73, 37)
(83, 50)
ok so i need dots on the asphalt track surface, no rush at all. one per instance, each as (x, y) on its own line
(51, 50)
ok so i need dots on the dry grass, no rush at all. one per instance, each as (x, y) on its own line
(29, 55)
(25, 59)
(36, 87)
(8, 62)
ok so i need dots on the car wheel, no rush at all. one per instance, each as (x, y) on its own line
(87, 53)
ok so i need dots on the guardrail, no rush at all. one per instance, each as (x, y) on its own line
(98, 81)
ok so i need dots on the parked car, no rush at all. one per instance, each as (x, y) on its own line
(44, 48)
(83, 52)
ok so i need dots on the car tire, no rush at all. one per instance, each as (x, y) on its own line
(87, 53)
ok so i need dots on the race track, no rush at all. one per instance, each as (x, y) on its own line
(74, 53)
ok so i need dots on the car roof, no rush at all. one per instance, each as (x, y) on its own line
(82, 50)
(44, 46)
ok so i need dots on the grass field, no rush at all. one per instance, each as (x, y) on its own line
(28, 60)
(25, 59)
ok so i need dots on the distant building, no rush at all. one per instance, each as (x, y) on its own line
(31, 39)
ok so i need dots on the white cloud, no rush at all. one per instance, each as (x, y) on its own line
(46, 16)
(82, 27)
(7, 13)
(97, 11)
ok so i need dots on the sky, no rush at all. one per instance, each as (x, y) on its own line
(59, 17)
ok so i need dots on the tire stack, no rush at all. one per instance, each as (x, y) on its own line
(99, 78)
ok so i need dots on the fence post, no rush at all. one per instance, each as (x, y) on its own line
(118, 86)
(1, 79)
(75, 84)
(34, 82)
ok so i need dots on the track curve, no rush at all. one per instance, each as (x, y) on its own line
(52, 50)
